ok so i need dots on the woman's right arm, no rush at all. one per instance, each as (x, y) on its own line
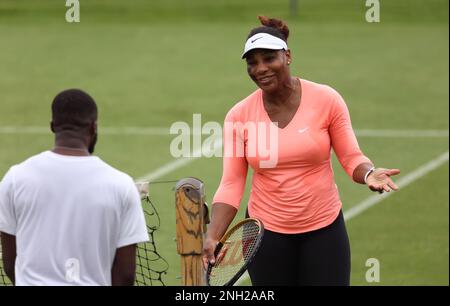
(231, 189)
(222, 215)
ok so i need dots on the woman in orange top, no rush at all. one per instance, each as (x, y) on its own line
(293, 190)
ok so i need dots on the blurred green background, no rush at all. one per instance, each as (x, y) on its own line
(149, 64)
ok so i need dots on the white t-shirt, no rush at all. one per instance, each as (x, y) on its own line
(69, 215)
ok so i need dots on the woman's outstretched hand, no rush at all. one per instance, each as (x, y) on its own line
(380, 180)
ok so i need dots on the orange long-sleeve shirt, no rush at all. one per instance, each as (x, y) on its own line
(298, 193)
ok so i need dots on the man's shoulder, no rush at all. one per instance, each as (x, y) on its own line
(114, 173)
(37, 158)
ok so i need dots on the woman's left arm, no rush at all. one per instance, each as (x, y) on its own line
(355, 163)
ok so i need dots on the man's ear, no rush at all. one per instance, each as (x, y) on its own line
(93, 128)
(52, 127)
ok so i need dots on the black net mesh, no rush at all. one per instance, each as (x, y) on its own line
(150, 265)
(4, 280)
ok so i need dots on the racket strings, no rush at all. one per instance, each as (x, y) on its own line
(237, 250)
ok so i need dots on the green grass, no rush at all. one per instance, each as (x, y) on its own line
(205, 11)
(156, 62)
(407, 233)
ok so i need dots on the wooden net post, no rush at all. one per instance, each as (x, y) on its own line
(191, 219)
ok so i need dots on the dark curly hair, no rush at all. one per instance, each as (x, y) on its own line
(272, 26)
(73, 109)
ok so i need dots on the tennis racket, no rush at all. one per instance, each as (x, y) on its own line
(234, 252)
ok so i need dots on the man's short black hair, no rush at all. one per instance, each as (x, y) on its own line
(73, 109)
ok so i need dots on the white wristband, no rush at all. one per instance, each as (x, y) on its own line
(367, 174)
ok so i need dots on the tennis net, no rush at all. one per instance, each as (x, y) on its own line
(4, 280)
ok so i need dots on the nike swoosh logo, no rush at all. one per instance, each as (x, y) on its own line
(303, 130)
(255, 39)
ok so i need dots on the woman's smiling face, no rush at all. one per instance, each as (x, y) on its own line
(269, 69)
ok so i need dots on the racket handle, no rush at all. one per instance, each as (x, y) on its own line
(218, 248)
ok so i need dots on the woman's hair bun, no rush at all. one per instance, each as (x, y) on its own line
(278, 24)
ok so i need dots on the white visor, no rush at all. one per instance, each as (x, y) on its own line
(264, 41)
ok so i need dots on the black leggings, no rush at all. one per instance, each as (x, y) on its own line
(317, 258)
